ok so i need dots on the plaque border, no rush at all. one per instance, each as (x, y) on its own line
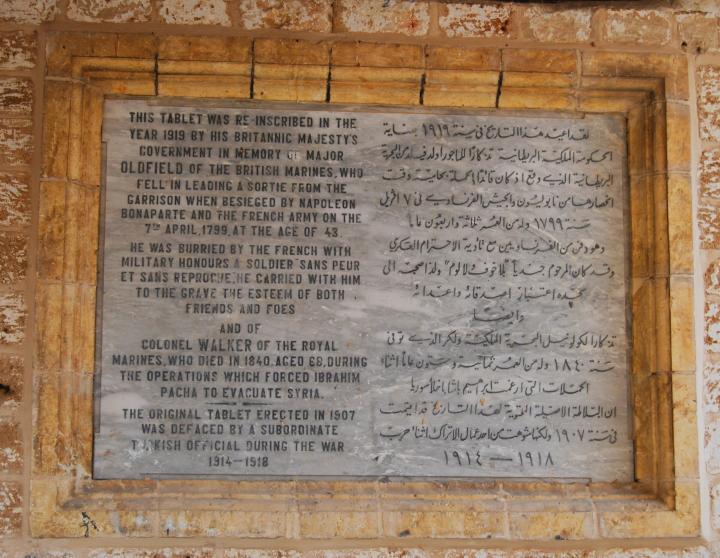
(649, 90)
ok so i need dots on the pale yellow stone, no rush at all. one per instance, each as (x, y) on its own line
(460, 58)
(663, 362)
(552, 525)
(681, 323)
(233, 87)
(339, 524)
(535, 60)
(292, 51)
(541, 80)
(532, 98)
(383, 55)
(679, 215)
(51, 229)
(678, 140)
(685, 426)
(56, 129)
(285, 82)
(197, 48)
(451, 95)
(672, 68)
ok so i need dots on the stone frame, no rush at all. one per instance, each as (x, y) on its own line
(650, 90)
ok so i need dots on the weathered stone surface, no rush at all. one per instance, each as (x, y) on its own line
(28, 11)
(464, 20)
(17, 50)
(14, 200)
(16, 145)
(11, 380)
(13, 257)
(294, 15)
(194, 12)
(709, 173)
(557, 25)
(12, 318)
(381, 16)
(10, 509)
(711, 383)
(653, 27)
(111, 11)
(712, 327)
(712, 278)
(712, 447)
(640, 553)
(710, 7)
(698, 32)
(708, 216)
(10, 447)
(16, 95)
(156, 553)
(709, 102)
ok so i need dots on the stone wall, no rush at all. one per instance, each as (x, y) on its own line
(559, 42)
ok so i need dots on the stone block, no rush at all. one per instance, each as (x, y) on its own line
(684, 420)
(712, 327)
(293, 15)
(678, 130)
(247, 524)
(711, 388)
(292, 51)
(711, 440)
(16, 96)
(533, 60)
(16, 141)
(708, 102)
(460, 88)
(138, 46)
(377, 55)
(698, 32)
(532, 98)
(709, 173)
(51, 230)
(17, 50)
(681, 324)
(56, 130)
(641, 26)
(31, 12)
(660, 244)
(672, 68)
(475, 20)
(11, 380)
(456, 58)
(231, 87)
(708, 216)
(11, 458)
(110, 11)
(347, 525)
(436, 524)
(544, 24)
(14, 199)
(552, 525)
(282, 82)
(383, 16)
(13, 257)
(199, 48)
(11, 503)
(62, 47)
(712, 278)
(679, 212)
(194, 12)
(392, 86)
(12, 319)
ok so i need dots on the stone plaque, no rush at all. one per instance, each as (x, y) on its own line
(302, 291)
